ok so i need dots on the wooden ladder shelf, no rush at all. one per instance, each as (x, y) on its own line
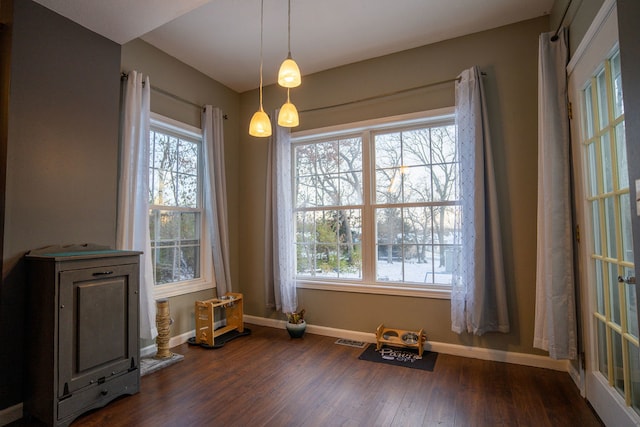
(204, 314)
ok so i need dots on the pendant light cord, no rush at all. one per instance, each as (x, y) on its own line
(289, 29)
(261, 31)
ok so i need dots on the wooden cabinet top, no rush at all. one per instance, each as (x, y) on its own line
(77, 252)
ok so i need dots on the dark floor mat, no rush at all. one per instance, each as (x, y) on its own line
(222, 339)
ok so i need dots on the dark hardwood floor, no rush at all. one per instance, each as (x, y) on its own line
(268, 379)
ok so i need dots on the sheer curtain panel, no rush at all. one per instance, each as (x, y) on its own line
(215, 195)
(279, 251)
(478, 293)
(555, 316)
(133, 192)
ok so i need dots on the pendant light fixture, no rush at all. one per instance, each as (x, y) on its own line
(288, 115)
(260, 124)
(289, 74)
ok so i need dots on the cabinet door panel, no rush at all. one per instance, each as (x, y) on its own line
(102, 325)
(94, 336)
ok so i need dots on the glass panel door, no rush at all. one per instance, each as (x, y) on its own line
(603, 212)
(614, 313)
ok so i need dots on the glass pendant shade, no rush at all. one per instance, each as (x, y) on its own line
(289, 74)
(260, 124)
(288, 116)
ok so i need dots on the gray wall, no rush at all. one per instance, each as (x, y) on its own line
(62, 158)
(578, 18)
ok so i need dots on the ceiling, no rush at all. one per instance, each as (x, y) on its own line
(221, 38)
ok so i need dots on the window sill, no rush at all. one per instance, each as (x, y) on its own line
(394, 290)
(175, 289)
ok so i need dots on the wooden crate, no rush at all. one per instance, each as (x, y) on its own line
(204, 313)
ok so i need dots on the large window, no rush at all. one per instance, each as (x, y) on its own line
(176, 216)
(376, 204)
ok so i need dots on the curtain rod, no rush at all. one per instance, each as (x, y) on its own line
(170, 95)
(564, 15)
(384, 95)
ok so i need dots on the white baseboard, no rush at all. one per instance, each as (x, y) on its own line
(577, 375)
(10, 414)
(445, 348)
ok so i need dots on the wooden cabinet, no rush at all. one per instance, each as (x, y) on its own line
(83, 326)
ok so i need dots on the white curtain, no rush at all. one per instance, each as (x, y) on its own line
(280, 262)
(215, 195)
(478, 294)
(133, 192)
(555, 318)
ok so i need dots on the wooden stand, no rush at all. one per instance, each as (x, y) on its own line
(400, 338)
(204, 310)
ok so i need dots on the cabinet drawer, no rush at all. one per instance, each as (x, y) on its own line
(98, 395)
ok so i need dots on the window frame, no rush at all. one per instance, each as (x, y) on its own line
(366, 129)
(206, 279)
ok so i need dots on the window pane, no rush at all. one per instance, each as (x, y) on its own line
(610, 223)
(632, 305)
(418, 267)
(190, 225)
(603, 362)
(187, 190)
(418, 227)
(416, 147)
(616, 77)
(593, 178)
(188, 158)
(444, 224)
(169, 225)
(189, 266)
(607, 161)
(163, 190)
(445, 182)
(618, 371)
(417, 184)
(306, 191)
(328, 190)
(328, 243)
(389, 265)
(388, 226)
(388, 151)
(327, 160)
(625, 225)
(350, 154)
(588, 117)
(603, 109)
(164, 151)
(443, 144)
(164, 265)
(634, 361)
(599, 287)
(388, 186)
(351, 188)
(614, 294)
(597, 242)
(621, 154)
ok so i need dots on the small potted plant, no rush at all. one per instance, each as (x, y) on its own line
(296, 324)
